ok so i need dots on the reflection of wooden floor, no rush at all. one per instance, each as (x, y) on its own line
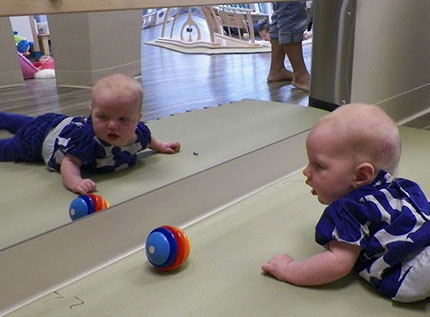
(172, 82)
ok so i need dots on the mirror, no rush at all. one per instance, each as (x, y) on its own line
(174, 83)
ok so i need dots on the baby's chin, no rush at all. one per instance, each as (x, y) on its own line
(114, 140)
(323, 201)
(118, 140)
(320, 199)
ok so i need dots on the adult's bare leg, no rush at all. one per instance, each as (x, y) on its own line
(301, 77)
(277, 71)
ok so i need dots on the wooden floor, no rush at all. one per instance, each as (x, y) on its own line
(173, 82)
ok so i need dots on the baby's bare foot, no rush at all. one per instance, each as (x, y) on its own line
(284, 75)
(302, 82)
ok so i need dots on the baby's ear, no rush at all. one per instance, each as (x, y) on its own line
(364, 174)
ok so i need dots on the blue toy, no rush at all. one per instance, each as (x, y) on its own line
(84, 205)
(167, 248)
(22, 45)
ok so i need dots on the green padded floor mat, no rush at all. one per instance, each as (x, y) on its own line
(222, 276)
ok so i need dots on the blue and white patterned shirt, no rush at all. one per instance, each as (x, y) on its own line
(389, 219)
(75, 136)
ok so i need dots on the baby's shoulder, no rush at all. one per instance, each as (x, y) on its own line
(77, 132)
(143, 134)
(76, 126)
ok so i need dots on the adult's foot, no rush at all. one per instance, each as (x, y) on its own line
(302, 82)
(282, 75)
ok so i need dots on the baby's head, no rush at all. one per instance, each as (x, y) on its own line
(263, 31)
(348, 147)
(116, 109)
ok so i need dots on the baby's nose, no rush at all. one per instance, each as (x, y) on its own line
(112, 124)
(306, 172)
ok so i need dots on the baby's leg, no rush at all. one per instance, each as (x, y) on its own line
(416, 285)
(12, 122)
(10, 150)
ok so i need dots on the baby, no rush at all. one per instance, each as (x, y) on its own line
(106, 141)
(263, 31)
(374, 223)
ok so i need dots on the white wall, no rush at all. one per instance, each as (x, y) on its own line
(391, 55)
(88, 46)
(21, 24)
(10, 70)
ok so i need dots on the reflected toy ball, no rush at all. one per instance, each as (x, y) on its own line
(167, 248)
(84, 205)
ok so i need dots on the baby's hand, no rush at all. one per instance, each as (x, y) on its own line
(84, 186)
(278, 266)
(169, 147)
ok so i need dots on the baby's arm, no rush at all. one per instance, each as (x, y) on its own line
(164, 147)
(71, 174)
(322, 268)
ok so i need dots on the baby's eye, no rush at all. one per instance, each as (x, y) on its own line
(102, 117)
(318, 166)
(124, 119)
